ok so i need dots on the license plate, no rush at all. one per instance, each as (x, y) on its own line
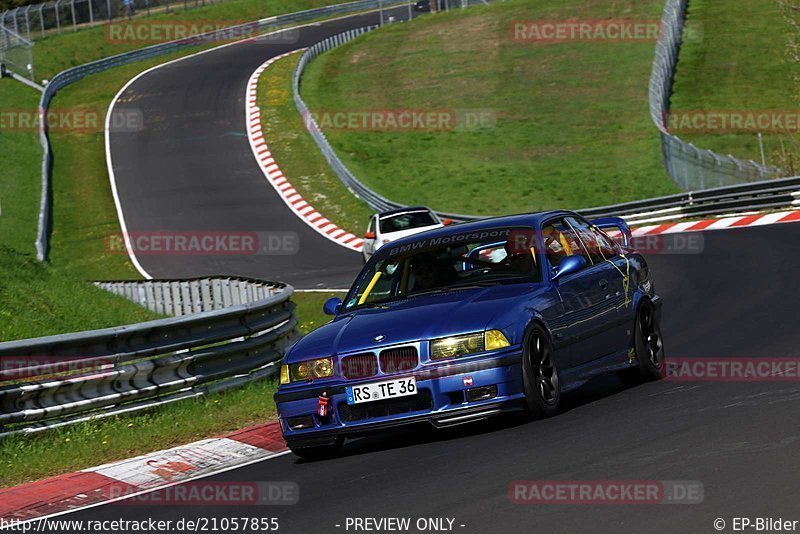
(390, 389)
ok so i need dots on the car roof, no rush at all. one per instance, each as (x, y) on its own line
(530, 220)
(395, 211)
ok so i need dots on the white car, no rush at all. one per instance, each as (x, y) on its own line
(392, 225)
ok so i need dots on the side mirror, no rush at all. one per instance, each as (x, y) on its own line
(332, 306)
(369, 235)
(447, 222)
(569, 265)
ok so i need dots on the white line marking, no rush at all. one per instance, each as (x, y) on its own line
(151, 490)
(109, 163)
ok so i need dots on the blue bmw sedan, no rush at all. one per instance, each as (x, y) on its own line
(461, 323)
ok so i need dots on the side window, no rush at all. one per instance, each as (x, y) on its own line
(561, 241)
(596, 244)
(607, 247)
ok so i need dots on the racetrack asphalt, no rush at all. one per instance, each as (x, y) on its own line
(190, 170)
(738, 298)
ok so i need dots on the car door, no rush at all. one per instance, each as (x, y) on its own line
(582, 325)
(616, 293)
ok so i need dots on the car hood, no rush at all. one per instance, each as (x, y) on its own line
(425, 317)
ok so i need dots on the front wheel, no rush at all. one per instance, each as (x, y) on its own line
(540, 375)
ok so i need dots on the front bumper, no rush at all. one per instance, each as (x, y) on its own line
(441, 400)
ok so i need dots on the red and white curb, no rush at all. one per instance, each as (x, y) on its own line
(725, 223)
(273, 173)
(144, 474)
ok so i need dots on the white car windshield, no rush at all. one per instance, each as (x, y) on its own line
(407, 220)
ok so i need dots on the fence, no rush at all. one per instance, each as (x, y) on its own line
(38, 20)
(59, 380)
(69, 76)
(689, 166)
(16, 53)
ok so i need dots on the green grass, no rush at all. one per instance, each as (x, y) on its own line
(27, 458)
(40, 299)
(85, 445)
(572, 124)
(297, 154)
(742, 62)
(20, 172)
(55, 53)
(309, 309)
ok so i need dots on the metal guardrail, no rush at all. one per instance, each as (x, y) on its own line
(760, 195)
(783, 193)
(59, 380)
(689, 166)
(75, 74)
(373, 199)
(186, 297)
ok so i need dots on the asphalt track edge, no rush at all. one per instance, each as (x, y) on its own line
(107, 137)
(45, 488)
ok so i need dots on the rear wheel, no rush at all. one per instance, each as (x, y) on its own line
(649, 347)
(320, 452)
(540, 374)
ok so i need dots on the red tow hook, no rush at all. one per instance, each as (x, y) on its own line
(324, 406)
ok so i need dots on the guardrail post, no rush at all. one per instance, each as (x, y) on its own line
(41, 18)
(58, 18)
(27, 22)
(74, 22)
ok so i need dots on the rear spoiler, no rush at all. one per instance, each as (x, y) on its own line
(617, 229)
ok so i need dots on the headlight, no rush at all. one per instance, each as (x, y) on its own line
(453, 347)
(308, 370)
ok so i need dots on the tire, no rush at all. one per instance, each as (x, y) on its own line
(321, 452)
(540, 375)
(649, 347)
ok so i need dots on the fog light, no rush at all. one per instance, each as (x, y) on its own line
(482, 393)
(299, 423)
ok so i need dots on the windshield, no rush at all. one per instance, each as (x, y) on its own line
(407, 220)
(501, 256)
